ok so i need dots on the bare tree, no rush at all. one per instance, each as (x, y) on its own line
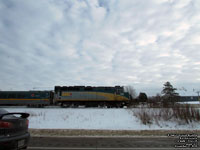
(130, 89)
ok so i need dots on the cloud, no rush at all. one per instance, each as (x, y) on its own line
(99, 42)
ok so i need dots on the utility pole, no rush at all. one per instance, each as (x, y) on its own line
(198, 96)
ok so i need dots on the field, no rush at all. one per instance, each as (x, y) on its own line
(96, 119)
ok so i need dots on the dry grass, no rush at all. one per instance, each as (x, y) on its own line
(187, 113)
(144, 116)
(177, 113)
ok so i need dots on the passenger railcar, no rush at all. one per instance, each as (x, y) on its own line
(74, 96)
(29, 98)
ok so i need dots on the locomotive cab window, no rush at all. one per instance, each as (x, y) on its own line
(117, 91)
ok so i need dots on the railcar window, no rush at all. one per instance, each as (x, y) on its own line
(12, 96)
(37, 95)
(3, 95)
(20, 95)
(88, 88)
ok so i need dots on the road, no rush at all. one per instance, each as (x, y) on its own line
(108, 143)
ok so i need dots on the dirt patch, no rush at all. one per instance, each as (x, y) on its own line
(74, 132)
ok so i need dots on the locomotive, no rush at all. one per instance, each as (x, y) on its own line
(69, 96)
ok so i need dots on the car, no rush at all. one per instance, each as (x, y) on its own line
(13, 130)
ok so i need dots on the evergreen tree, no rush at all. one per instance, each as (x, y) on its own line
(169, 92)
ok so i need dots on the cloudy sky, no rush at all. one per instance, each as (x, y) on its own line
(142, 43)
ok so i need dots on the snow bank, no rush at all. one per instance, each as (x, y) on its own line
(94, 118)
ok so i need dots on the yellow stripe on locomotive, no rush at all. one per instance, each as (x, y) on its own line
(91, 96)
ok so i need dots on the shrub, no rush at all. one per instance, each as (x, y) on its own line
(144, 116)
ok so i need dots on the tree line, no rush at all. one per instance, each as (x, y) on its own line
(169, 94)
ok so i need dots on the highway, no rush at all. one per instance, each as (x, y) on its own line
(109, 143)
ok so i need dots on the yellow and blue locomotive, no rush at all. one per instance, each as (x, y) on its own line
(91, 96)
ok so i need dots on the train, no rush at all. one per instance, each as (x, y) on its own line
(69, 96)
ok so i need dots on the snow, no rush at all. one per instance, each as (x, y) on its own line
(93, 118)
(192, 102)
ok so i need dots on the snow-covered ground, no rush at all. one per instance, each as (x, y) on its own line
(192, 102)
(93, 118)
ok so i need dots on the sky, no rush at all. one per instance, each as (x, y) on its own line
(141, 43)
